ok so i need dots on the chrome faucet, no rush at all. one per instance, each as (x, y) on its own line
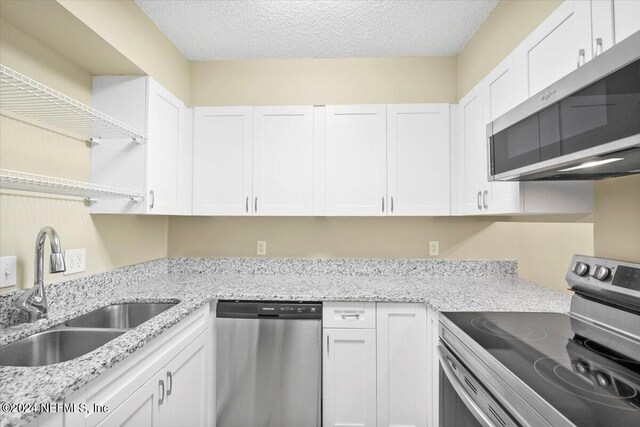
(33, 300)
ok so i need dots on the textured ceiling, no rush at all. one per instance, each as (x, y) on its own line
(206, 29)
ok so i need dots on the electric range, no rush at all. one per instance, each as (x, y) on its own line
(576, 369)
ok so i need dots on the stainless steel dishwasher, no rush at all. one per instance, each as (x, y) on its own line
(269, 363)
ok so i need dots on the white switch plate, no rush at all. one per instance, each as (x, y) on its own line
(434, 248)
(75, 261)
(261, 247)
(8, 274)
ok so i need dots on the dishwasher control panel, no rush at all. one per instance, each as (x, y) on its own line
(269, 309)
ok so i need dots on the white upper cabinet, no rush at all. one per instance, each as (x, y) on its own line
(355, 160)
(283, 154)
(613, 21)
(164, 150)
(626, 18)
(502, 89)
(475, 152)
(223, 161)
(558, 46)
(158, 167)
(418, 159)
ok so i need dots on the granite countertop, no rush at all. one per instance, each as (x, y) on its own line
(444, 286)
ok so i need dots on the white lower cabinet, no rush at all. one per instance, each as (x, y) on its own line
(167, 383)
(139, 410)
(402, 374)
(349, 377)
(376, 375)
(174, 396)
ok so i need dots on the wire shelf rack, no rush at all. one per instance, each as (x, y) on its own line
(22, 181)
(27, 97)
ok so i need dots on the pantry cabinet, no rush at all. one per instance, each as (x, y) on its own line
(283, 154)
(349, 377)
(158, 166)
(558, 46)
(402, 364)
(355, 160)
(418, 159)
(223, 161)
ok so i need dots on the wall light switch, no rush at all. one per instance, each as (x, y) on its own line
(75, 261)
(8, 273)
(261, 247)
(434, 248)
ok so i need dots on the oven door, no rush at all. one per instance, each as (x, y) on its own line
(464, 402)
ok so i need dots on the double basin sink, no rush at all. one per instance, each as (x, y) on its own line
(79, 335)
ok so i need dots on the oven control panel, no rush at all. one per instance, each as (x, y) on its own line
(604, 276)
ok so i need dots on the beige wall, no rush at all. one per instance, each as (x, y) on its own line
(128, 29)
(543, 250)
(617, 218)
(111, 241)
(324, 81)
(505, 28)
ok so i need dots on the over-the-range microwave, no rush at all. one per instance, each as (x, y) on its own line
(586, 126)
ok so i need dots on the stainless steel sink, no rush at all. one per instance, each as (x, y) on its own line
(54, 346)
(120, 316)
(80, 335)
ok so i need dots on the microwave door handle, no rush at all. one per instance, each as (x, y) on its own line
(462, 393)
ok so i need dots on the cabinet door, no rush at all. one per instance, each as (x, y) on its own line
(559, 45)
(184, 379)
(356, 154)
(222, 161)
(165, 121)
(503, 89)
(139, 410)
(626, 18)
(475, 151)
(283, 160)
(349, 377)
(402, 365)
(418, 159)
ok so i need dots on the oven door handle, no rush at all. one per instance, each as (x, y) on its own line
(459, 388)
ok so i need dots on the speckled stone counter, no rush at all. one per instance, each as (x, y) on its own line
(443, 285)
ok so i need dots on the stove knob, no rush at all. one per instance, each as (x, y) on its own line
(600, 272)
(580, 268)
(602, 379)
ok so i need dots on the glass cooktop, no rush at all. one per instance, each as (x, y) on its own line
(584, 380)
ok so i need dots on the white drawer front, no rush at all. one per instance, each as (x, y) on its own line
(349, 315)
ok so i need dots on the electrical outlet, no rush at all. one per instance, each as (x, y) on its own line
(434, 248)
(261, 247)
(8, 272)
(75, 261)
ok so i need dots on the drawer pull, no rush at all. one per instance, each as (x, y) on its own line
(355, 316)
